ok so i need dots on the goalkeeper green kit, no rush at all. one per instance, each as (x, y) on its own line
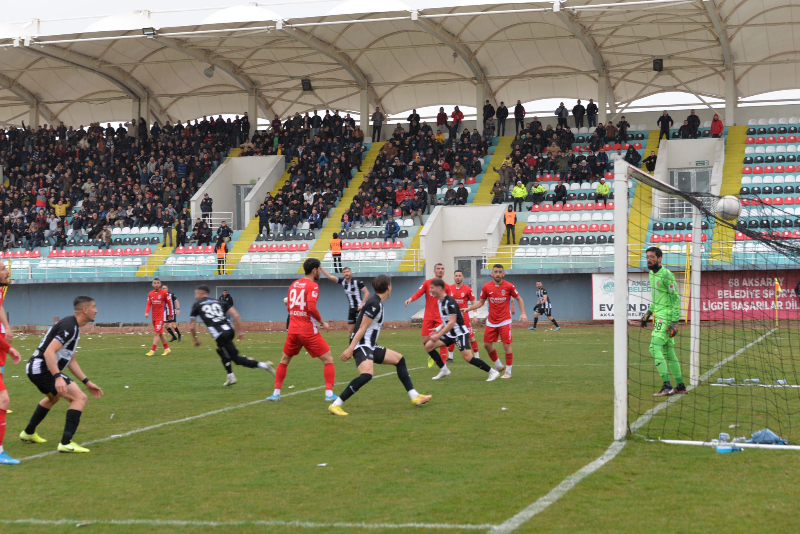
(666, 309)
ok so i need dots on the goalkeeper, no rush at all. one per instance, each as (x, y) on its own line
(666, 312)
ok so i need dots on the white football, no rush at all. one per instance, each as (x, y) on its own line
(286, 300)
(728, 208)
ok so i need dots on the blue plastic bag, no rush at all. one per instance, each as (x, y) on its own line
(767, 437)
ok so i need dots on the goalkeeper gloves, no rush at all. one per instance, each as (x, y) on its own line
(644, 319)
(673, 331)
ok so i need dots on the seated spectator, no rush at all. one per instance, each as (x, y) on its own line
(290, 223)
(633, 157)
(602, 191)
(462, 195)
(35, 237)
(8, 240)
(314, 220)
(392, 229)
(60, 239)
(346, 221)
(450, 196)
(538, 192)
(498, 194)
(685, 131)
(368, 214)
(519, 194)
(204, 235)
(105, 238)
(561, 193)
(223, 232)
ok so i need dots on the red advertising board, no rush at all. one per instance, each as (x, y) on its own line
(749, 295)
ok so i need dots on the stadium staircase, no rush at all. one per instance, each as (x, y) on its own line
(484, 194)
(154, 261)
(731, 185)
(334, 222)
(642, 205)
(251, 231)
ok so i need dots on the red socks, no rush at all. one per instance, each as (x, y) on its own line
(2, 426)
(166, 346)
(280, 375)
(154, 347)
(510, 358)
(330, 375)
(475, 348)
(493, 355)
(443, 354)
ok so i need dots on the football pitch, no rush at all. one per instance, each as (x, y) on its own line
(174, 451)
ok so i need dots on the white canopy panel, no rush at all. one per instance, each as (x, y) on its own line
(419, 54)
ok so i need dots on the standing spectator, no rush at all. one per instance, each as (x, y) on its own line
(167, 222)
(488, 112)
(602, 191)
(498, 194)
(392, 229)
(489, 128)
(510, 217)
(561, 114)
(104, 238)
(336, 252)
(717, 127)
(519, 194)
(622, 130)
(519, 117)
(664, 122)
(578, 111)
(206, 207)
(650, 161)
(180, 233)
(433, 188)
(378, 118)
(502, 115)
(591, 113)
(413, 120)
(221, 249)
(561, 193)
(226, 299)
(694, 124)
(458, 118)
(441, 119)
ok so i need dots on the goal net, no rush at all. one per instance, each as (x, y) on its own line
(736, 348)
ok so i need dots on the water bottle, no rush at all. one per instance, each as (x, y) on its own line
(751, 380)
(781, 382)
(723, 437)
(726, 380)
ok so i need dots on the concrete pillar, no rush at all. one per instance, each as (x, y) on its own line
(364, 113)
(480, 101)
(602, 99)
(252, 111)
(731, 98)
(33, 115)
(144, 109)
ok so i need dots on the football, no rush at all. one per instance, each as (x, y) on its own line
(728, 208)
(286, 300)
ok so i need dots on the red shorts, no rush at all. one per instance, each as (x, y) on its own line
(2, 386)
(314, 344)
(428, 326)
(493, 333)
(158, 327)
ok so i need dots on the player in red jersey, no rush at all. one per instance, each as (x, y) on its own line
(464, 297)
(5, 349)
(431, 319)
(303, 332)
(159, 300)
(498, 324)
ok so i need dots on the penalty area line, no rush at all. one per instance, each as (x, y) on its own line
(254, 523)
(191, 418)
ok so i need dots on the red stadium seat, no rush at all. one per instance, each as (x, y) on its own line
(528, 229)
(677, 238)
(666, 238)
(637, 145)
(769, 169)
(92, 252)
(578, 206)
(549, 229)
(387, 244)
(53, 254)
(253, 248)
(609, 175)
(617, 146)
(259, 248)
(539, 229)
(376, 245)
(760, 140)
(567, 207)
(366, 245)
(357, 245)
(71, 254)
(7, 254)
(470, 180)
(796, 234)
(739, 236)
(558, 207)
(398, 244)
(583, 228)
(560, 229)
(293, 247)
(189, 250)
(146, 251)
(607, 147)
(62, 253)
(283, 247)
(687, 238)
(791, 168)
(303, 247)
(26, 254)
(398, 213)
(576, 149)
(777, 201)
(747, 170)
(127, 252)
(750, 141)
(347, 245)
(117, 252)
(179, 250)
(758, 169)
(609, 205)
(781, 138)
(274, 247)
(449, 181)
(536, 208)
(765, 200)
(788, 200)
(81, 253)
(588, 206)
(548, 177)
(547, 207)
(594, 228)
(137, 251)
(599, 206)
(572, 228)
(605, 228)
(771, 139)
(655, 238)
(792, 139)
(704, 237)
(36, 254)
(780, 168)
(786, 234)
(626, 146)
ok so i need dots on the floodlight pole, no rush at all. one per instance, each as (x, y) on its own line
(694, 296)
(620, 299)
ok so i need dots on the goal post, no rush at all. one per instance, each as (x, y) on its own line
(739, 356)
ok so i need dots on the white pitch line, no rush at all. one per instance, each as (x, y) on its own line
(648, 415)
(190, 418)
(255, 523)
(556, 493)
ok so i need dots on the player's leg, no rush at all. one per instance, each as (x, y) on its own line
(365, 369)
(553, 319)
(535, 320)
(352, 314)
(164, 343)
(154, 346)
(490, 336)
(432, 348)
(471, 359)
(328, 371)
(386, 356)
(506, 338)
(657, 343)
(229, 353)
(46, 384)
(4, 403)
(291, 348)
(674, 365)
(77, 403)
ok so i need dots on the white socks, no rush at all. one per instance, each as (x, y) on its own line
(338, 402)
(498, 365)
(231, 376)
(262, 365)
(413, 394)
(328, 393)
(508, 369)
(277, 392)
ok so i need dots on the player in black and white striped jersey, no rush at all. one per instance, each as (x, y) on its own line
(453, 331)
(355, 291)
(365, 350)
(213, 314)
(543, 307)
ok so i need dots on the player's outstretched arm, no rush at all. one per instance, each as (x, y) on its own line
(78, 373)
(237, 322)
(477, 304)
(193, 330)
(421, 291)
(328, 275)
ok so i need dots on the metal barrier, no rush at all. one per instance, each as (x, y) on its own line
(215, 218)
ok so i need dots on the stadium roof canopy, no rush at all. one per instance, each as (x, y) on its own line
(83, 68)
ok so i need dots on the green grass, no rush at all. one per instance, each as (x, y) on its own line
(461, 459)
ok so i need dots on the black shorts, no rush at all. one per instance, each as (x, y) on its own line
(351, 315)
(362, 354)
(170, 318)
(462, 341)
(541, 310)
(46, 383)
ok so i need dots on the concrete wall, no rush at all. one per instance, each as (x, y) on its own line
(262, 299)
(238, 171)
(264, 185)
